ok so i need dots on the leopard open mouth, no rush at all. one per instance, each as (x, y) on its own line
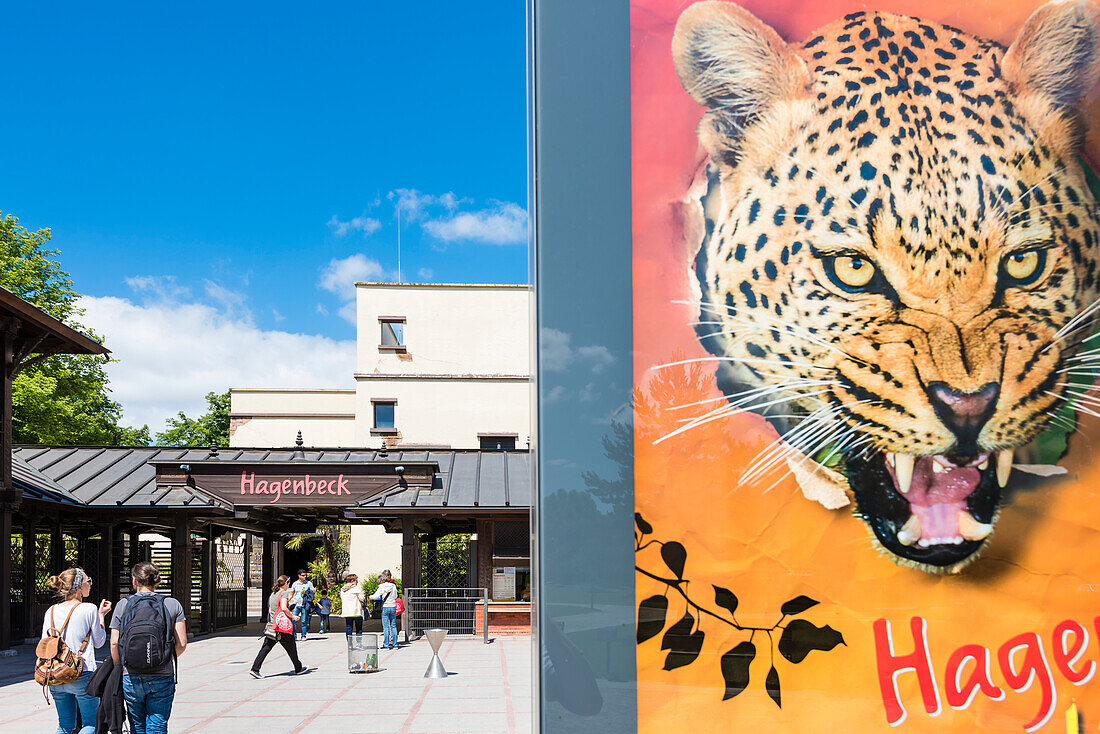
(931, 512)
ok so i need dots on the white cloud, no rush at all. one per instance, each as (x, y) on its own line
(557, 355)
(321, 309)
(366, 225)
(425, 274)
(504, 223)
(170, 354)
(341, 275)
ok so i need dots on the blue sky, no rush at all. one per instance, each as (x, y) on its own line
(241, 165)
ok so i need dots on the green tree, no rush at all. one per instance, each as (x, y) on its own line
(210, 429)
(66, 398)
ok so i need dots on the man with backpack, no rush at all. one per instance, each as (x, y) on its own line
(148, 633)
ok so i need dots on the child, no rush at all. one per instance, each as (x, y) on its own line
(324, 608)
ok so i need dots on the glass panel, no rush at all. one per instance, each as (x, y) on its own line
(393, 333)
(585, 506)
(383, 415)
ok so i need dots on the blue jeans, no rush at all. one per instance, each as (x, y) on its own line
(303, 612)
(68, 698)
(149, 702)
(324, 622)
(389, 627)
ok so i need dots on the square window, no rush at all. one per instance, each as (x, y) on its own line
(393, 333)
(384, 416)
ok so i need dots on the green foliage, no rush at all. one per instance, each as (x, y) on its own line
(332, 555)
(64, 399)
(210, 429)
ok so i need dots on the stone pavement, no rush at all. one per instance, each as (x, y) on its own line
(488, 689)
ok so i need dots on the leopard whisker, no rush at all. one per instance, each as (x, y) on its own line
(806, 439)
(757, 390)
(1076, 405)
(725, 413)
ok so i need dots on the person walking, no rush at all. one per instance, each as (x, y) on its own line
(387, 596)
(351, 605)
(302, 601)
(279, 601)
(324, 608)
(148, 634)
(80, 625)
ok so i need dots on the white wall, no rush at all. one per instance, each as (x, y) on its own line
(446, 412)
(449, 329)
(373, 549)
(272, 417)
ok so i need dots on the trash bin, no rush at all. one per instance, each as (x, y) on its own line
(363, 653)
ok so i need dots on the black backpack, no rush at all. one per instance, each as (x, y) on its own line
(145, 645)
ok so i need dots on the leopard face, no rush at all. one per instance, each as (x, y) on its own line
(902, 249)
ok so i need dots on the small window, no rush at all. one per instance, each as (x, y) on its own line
(497, 442)
(384, 416)
(393, 333)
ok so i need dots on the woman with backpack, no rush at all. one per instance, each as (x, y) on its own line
(280, 628)
(80, 628)
(148, 632)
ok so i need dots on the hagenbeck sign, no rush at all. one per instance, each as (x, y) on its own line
(295, 483)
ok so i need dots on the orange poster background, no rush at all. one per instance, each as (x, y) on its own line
(1042, 567)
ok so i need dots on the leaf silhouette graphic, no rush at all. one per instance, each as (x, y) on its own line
(735, 668)
(675, 557)
(798, 605)
(800, 638)
(651, 617)
(645, 527)
(678, 631)
(685, 652)
(725, 598)
(771, 684)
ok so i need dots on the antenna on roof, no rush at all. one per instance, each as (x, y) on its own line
(399, 240)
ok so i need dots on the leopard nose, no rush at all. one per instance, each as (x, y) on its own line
(964, 413)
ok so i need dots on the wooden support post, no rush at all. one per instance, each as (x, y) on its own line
(5, 579)
(29, 590)
(57, 547)
(135, 548)
(267, 575)
(209, 578)
(107, 556)
(410, 572)
(181, 566)
(485, 555)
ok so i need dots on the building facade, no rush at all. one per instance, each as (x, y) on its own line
(438, 367)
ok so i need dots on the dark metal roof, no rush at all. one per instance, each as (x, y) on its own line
(99, 476)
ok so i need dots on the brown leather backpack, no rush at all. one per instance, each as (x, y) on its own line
(56, 663)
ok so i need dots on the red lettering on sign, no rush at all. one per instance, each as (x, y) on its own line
(342, 485)
(248, 482)
(299, 486)
(960, 696)
(891, 665)
(1035, 667)
(1067, 655)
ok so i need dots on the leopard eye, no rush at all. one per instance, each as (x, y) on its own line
(1023, 267)
(850, 272)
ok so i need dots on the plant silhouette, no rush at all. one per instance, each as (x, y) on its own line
(684, 639)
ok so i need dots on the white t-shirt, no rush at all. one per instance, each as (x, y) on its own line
(298, 588)
(85, 617)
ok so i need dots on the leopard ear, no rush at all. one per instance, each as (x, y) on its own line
(1057, 52)
(735, 65)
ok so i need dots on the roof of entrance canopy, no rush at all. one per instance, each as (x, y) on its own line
(118, 477)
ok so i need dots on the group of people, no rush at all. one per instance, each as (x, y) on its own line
(296, 603)
(352, 604)
(144, 621)
(148, 632)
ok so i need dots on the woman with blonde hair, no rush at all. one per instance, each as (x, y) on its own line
(81, 625)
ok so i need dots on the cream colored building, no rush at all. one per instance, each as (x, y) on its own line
(440, 365)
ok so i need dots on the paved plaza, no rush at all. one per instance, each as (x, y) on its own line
(487, 691)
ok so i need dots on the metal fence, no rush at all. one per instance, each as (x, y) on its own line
(455, 610)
